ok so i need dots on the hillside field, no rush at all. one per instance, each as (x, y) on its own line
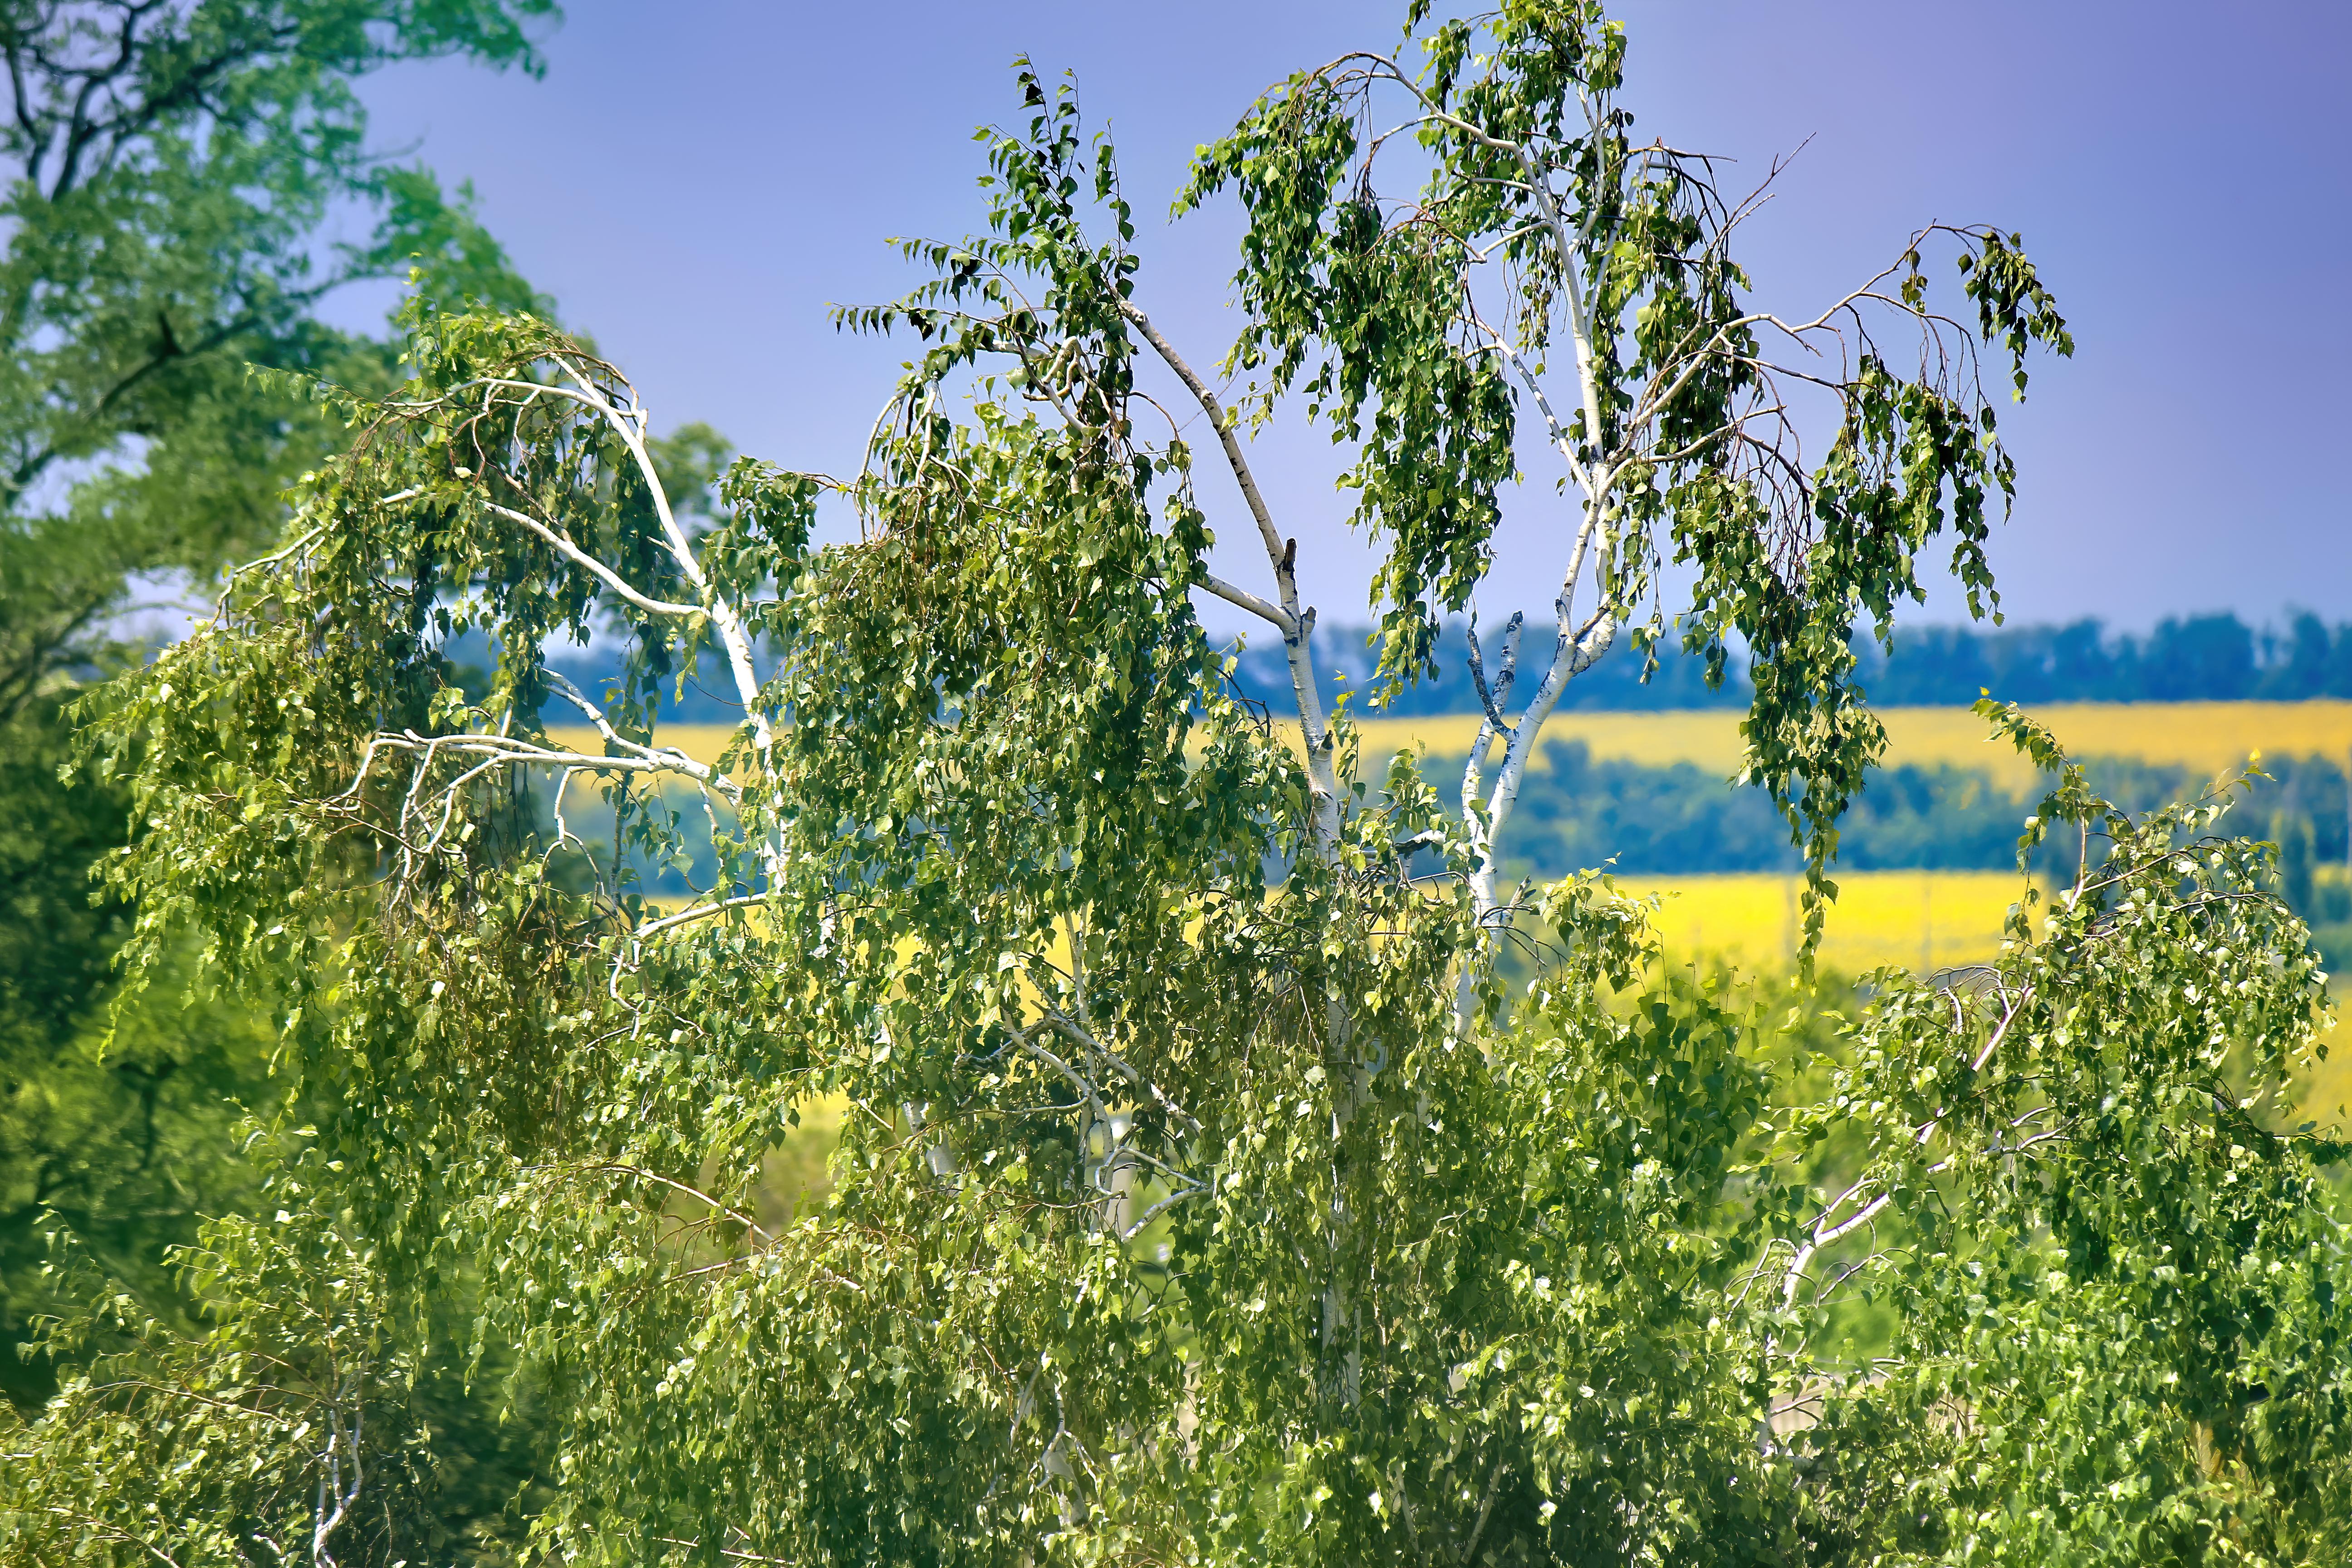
(2206, 736)
(1930, 920)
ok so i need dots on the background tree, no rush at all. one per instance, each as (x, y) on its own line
(1198, 1198)
(168, 170)
(171, 173)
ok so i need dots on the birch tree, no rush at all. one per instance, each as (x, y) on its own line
(1198, 1198)
(1553, 261)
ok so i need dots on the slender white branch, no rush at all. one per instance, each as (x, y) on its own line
(335, 1495)
(579, 557)
(449, 795)
(1243, 598)
(1576, 648)
(507, 749)
(731, 1553)
(1588, 368)
(1574, 652)
(1561, 440)
(1491, 699)
(1825, 1232)
(669, 756)
(640, 1173)
(698, 913)
(1219, 421)
(1081, 1035)
(2008, 1017)
(631, 427)
(1835, 1233)
(1281, 555)
(1143, 1221)
(1078, 1081)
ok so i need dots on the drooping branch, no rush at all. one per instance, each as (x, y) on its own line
(1679, 421)
(1827, 1229)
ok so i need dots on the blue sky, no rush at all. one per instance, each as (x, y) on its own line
(696, 180)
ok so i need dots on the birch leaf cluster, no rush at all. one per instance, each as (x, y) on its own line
(1200, 1194)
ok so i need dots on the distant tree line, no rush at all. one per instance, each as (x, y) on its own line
(2216, 658)
(1579, 810)
(2200, 658)
(2196, 658)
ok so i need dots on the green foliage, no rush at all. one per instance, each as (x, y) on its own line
(1545, 229)
(1197, 1198)
(120, 1129)
(304, 1362)
(55, 947)
(167, 170)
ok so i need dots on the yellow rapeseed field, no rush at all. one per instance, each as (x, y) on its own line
(1918, 920)
(2206, 736)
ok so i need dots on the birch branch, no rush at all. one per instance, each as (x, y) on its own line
(507, 749)
(700, 912)
(1282, 554)
(633, 428)
(1825, 1234)
(1241, 597)
(579, 557)
(1080, 1036)
(669, 755)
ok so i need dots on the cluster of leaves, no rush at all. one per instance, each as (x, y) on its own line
(1183, 1211)
(119, 1126)
(167, 171)
(2112, 1280)
(1545, 232)
(311, 1414)
(169, 176)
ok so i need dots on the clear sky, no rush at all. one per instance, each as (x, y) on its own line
(695, 181)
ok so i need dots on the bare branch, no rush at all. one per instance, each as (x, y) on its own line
(698, 913)
(579, 557)
(1282, 554)
(1241, 597)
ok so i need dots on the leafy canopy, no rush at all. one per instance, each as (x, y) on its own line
(167, 178)
(1197, 1198)
(165, 174)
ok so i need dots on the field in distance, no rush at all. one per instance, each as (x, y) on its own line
(1921, 920)
(1918, 920)
(2206, 736)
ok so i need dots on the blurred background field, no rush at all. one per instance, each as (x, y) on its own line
(1926, 873)
(1922, 921)
(2205, 738)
